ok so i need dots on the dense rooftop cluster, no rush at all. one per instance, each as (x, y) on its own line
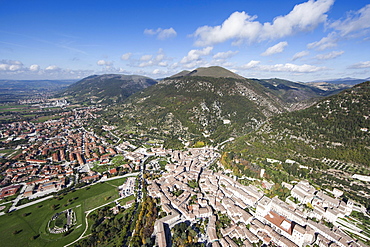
(254, 216)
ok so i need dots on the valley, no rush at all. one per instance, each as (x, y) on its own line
(215, 160)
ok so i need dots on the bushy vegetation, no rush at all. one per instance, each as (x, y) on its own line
(183, 235)
(332, 134)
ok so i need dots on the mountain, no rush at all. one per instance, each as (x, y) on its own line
(335, 127)
(329, 143)
(297, 95)
(107, 88)
(346, 81)
(198, 106)
(214, 107)
(213, 71)
(328, 86)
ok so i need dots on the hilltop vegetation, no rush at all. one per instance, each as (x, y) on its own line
(331, 139)
(335, 128)
(106, 89)
(207, 104)
(213, 71)
(200, 106)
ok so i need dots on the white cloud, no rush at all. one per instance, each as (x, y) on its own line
(240, 26)
(225, 55)
(329, 55)
(13, 69)
(52, 68)
(250, 65)
(126, 56)
(146, 57)
(278, 48)
(195, 64)
(194, 55)
(360, 65)
(158, 60)
(10, 65)
(329, 41)
(34, 67)
(288, 67)
(300, 55)
(104, 63)
(161, 33)
(156, 72)
(355, 21)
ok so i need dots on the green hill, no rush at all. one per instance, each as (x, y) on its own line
(213, 108)
(106, 89)
(209, 104)
(330, 141)
(213, 71)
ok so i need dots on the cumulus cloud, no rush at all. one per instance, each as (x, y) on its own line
(278, 48)
(157, 72)
(146, 57)
(329, 55)
(34, 67)
(225, 55)
(10, 65)
(161, 33)
(52, 68)
(104, 63)
(14, 69)
(194, 55)
(300, 55)
(356, 21)
(329, 41)
(158, 60)
(240, 26)
(126, 56)
(360, 65)
(250, 65)
(288, 67)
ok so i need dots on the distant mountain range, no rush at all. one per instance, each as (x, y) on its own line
(346, 80)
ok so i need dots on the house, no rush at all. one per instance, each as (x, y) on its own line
(9, 191)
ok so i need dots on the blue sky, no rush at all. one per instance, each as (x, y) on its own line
(294, 40)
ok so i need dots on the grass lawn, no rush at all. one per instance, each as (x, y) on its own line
(28, 226)
(46, 118)
(126, 199)
(117, 182)
(17, 108)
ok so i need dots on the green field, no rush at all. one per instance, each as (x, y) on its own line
(46, 118)
(16, 108)
(28, 226)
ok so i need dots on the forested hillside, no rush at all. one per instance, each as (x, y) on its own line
(331, 139)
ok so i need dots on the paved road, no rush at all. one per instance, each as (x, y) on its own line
(118, 177)
(30, 203)
(16, 200)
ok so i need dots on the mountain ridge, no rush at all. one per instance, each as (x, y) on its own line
(107, 88)
(212, 71)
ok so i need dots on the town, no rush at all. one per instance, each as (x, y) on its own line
(62, 154)
(254, 216)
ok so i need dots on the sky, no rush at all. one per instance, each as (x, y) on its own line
(289, 39)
